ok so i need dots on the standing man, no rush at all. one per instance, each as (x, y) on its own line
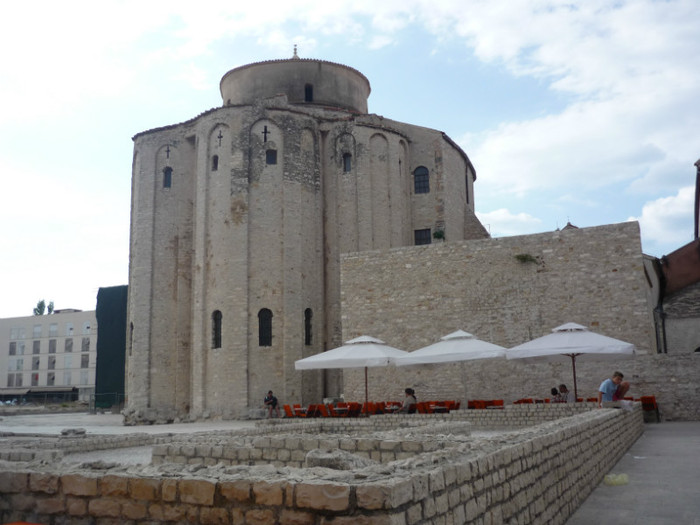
(612, 389)
(271, 403)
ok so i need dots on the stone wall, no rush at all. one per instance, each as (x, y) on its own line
(410, 297)
(536, 475)
(682, 320)
(382, 438)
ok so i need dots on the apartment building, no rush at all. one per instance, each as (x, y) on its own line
(48, 357)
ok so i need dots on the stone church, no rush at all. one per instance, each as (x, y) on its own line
(239, 218)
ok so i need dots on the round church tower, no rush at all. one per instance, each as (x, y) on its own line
(303, 81)
(239, 219)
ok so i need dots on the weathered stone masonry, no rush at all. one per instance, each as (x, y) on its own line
(539, 474)
(247, 208)
(410, 297)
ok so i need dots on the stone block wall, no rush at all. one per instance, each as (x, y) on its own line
(538, 475)
(53, 449)
(286, 443)
(411, 297)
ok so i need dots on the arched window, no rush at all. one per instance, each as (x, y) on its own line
(167, 177)
(216, 329)
(347, 162)
(265, 327)
(308, 314)
(215, 163)
(308, 93)
(421, 180)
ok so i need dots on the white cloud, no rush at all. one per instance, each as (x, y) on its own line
(625, 75)
(502, 222)
(668, 221)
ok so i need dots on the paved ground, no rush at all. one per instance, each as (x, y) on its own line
(104, 424)
(663, 466)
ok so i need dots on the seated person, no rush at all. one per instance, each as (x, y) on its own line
(271, 403)
(565, 395)
(409, 403)
(555, 395)
(612, 389)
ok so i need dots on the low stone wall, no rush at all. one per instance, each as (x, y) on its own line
(290, 450)
(53, 449)
(286, 442)
(538, 474)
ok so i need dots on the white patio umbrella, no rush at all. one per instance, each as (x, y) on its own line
(572, 341)
(361, 352)
(457, 346)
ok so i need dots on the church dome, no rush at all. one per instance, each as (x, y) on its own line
(303, 81)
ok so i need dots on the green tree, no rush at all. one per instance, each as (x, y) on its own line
(40, 308)
(49, 308)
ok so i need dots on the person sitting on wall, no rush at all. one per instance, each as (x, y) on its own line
(556, 398)
(409, 403)
(271, 403)
(612, 389)
(565, 395)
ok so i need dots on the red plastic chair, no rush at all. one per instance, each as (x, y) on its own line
(298, 411)
(354, 409)
(368, 409)
(288, 411)
(649, 405)
(313, 411)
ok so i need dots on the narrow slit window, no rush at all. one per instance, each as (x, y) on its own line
(308, 315)
(347, 162)
(271, 156)
(215, 163)
(265, 327)
(466, 184)
(309, 93)
(216, 329)
(167, 177)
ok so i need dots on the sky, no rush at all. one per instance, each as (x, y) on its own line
(571, 111)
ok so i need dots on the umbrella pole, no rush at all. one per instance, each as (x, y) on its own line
(366, 392)
(573, 366)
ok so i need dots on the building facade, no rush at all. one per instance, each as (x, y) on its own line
(48, 355)
(239, 217)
